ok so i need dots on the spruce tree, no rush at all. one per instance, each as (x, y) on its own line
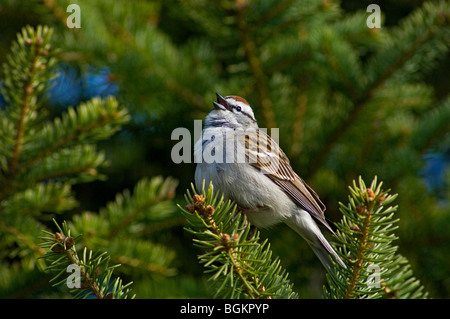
(239, 263)
(348, 100)
(365, 240)
(41, 159)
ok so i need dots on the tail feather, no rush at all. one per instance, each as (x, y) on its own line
(305, 226)
(325, 252)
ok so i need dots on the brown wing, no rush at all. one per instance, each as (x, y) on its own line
(263, 153)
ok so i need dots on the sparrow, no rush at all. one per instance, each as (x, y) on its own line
(248, 167)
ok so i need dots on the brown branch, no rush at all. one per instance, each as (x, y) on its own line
(184, 93)
(227, 242)
(65, 245)
(362, 247)
(132, 215)
(360, 103)
(58, 11)
(279, 8)
(88, 169)
(78, 133)
(297, 127)
(150, 267)
(22, 238)
(255, 64)
(27, 93)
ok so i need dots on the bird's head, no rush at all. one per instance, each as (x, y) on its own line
(232, 111)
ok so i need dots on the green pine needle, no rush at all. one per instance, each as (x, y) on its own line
(238, 263)
(95, 272)
(364, 239)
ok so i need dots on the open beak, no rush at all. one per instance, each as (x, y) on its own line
(221, 103)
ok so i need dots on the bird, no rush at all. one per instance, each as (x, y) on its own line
(248, 167)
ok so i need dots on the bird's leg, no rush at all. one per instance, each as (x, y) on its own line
(244, 213)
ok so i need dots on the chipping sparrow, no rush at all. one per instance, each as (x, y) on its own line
(248, 167)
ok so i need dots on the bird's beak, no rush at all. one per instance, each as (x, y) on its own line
(221, 103)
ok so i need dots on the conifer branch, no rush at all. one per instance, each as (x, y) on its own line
(226, 243)
(278, 9)
(375, 79)
(41, 150)
(364, 100)
(241, 267)
(22, 238)
(48, 197)
(172, 83)
(40, 159)
(364, 238)
(97, 116)
(362, 246)
(298, 124)
(94, 270)
(20, 127)
(38, 58)
(147, 194)
(185, 94)
(118, 222)
(432, 128)
(57, 10)
(254, 62)
(27, 66)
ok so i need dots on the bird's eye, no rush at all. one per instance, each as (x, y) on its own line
(238, 109)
